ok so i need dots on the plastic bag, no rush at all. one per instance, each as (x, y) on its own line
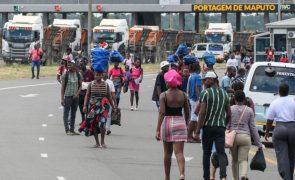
(116, 117)
(189, 59)
(258, 161)
(209, 59)
(172, 58)
(115, 56)
(215, 161)
(182, 50)
(99, 59)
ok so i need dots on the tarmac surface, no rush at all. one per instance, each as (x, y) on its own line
(34, 146)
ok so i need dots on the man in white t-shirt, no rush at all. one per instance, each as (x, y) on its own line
(282, 111)
(232, 61)
(112, 89)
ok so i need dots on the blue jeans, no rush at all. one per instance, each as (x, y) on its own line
(36, 63)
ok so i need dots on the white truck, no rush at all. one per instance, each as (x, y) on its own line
(221, 33)
(74, 40)
(19, 35)
(114, 32)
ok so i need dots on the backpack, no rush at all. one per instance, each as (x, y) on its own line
(67, 78)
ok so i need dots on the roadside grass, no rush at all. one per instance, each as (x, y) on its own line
(18, 71)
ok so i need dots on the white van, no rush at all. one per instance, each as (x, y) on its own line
(216, 48)
(262, 85)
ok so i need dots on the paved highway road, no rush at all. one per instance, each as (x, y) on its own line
(34, 146)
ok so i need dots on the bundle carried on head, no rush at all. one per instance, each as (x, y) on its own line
(115, 56)
(189, 59)
(182, 50)
(99, 58)
(209, 59)
(172, 59)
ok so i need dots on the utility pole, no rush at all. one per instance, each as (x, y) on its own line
(89, 26)
(279, 10)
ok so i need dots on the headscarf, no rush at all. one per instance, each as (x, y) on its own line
(182, 50)
(172, 78)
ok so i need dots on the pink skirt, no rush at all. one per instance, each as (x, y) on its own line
(133, 86)
(173, 129)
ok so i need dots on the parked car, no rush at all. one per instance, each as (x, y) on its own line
(216, 48)
(262, 85)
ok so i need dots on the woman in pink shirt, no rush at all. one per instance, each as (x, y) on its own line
(136, 79)
(116, 75)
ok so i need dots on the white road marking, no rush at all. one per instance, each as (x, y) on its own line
(50, 115)
(24, 86)
(41, 139)
(187, 159)
(61, 107)
(29, 95)
(44, 155)
(44, 125)
(60, 178)
(150, 86)
(146, 75)
(154, 79)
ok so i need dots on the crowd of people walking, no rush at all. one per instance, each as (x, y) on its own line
(193, 106)
(212, 111)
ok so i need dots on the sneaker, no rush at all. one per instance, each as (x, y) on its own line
(75, 133)
(131, 108)
(136, 108)
(69, 133)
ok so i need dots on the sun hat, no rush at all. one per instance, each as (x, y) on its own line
(172, 78)
(210, 74)
(164, 63)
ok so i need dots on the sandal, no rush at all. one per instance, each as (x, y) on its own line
(104, 146)
(97, 146)
(181, 177)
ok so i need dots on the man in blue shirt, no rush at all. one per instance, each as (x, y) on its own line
(227, 79)
(194, 89)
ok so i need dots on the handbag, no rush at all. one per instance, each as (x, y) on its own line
(116, 117)
(258, 161)
(230, 135)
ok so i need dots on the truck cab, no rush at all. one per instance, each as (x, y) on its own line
(220, 33)
(262, 85)
(19, 35)
(114, 32)
(75, 24)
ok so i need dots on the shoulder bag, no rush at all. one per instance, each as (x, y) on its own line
(230, 135)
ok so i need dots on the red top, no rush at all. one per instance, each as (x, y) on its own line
(36, 54)
(270, 53)
(88, 75)
(61, 70)
(115, 73)
(284, 60)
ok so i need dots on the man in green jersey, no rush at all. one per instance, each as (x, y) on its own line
(213, 117)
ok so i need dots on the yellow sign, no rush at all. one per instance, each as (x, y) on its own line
(235, 8)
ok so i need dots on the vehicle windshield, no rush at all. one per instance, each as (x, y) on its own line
(19, 35)
(108, 37)
(201, 47)
(262, 82)
(215, 47)
(216, 38)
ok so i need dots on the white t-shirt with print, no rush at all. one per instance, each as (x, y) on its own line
(232, 62)
(111, 85)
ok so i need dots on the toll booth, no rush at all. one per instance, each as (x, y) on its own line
(280, 35)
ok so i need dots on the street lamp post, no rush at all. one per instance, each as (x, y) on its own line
(89, 26)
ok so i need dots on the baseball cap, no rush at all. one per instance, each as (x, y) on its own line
(209, 74)
(164, 63)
